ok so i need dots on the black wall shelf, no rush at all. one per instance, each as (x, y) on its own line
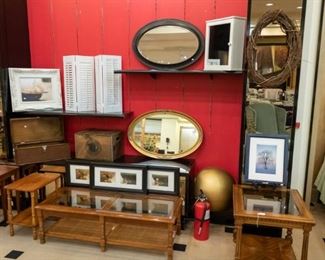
(154, 73)
(66, 113)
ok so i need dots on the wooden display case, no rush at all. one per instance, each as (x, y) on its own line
(224, 45)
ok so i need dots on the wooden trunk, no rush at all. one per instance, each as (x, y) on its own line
(44, 152)
(98, 145)
(29, 130)
(38, 139)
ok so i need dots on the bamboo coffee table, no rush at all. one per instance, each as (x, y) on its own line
(113, 218)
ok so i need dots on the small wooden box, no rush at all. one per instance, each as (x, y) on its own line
(38, 139)
(98, 145)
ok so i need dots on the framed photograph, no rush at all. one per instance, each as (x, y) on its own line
(80, 199)
(78, 174)
(119, 177)
(263, 205)
(35, 89)
(266, 159)
(163, 180)
(160, 207)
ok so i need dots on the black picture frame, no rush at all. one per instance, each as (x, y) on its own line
(118, 177)
(266, 159)
(163, 180)
(78, 173)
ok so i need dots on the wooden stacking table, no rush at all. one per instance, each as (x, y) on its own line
(281, 208)
(7, 172)
(113, 218)
(31, 184)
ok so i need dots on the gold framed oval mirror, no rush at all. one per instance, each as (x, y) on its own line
(165, 134)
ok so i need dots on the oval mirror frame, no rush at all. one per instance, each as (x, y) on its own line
(169, 22)
(156, 114)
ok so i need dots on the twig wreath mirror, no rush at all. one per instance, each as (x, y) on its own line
(293, 53)
(168, 44)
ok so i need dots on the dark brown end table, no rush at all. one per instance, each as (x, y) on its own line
(6, 172)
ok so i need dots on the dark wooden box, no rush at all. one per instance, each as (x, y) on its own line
(98, 145)
(38, 139)
(44, 152)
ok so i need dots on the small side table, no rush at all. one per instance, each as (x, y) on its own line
(7, 172)
(31, 184)
(280, 207)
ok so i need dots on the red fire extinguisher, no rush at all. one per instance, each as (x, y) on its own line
(201, 217)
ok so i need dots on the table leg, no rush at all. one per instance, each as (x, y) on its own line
(102, 242)
(3, 201)
(304, 251)
(41, 233)
(170, 242)
(179, 220)
(10, 216)
(238, 240)
(16, 177)
(289, 235)
(57, 183)
(34, 221)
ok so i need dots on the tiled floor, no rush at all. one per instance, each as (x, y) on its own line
(219, 246)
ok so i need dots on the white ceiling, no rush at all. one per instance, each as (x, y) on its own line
(258, 8)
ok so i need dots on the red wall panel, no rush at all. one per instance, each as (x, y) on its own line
(91, 27)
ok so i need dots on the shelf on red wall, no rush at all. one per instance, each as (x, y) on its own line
(153, 73)
(67, 113)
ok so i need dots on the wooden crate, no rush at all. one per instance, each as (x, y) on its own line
(98, 145)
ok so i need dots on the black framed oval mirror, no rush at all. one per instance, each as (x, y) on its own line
(165, 134)
(168, 44)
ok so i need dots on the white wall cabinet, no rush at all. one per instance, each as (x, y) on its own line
(224, 44)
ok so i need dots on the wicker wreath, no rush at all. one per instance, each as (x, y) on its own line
(294, 49)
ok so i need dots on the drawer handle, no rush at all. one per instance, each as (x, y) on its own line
(44, 147)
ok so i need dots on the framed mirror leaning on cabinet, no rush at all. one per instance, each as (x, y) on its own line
(166, 135)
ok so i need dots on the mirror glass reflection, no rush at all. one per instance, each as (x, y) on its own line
(168, 44)
(165, 134)
(271, 56)
(271, 110)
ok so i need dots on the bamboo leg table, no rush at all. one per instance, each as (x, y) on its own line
(31, 184)
(111, 218)
(283, 208)
(7, 172)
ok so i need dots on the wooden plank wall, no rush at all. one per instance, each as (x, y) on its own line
(92, 27)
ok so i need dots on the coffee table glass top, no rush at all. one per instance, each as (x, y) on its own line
(115, 201)
(272, 201)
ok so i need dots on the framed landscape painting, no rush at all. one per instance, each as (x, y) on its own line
(118, 177)
(78, 174)
(266, 159)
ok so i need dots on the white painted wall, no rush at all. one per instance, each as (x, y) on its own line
(306, 91)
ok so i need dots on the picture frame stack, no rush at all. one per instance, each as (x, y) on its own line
(122, 177)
